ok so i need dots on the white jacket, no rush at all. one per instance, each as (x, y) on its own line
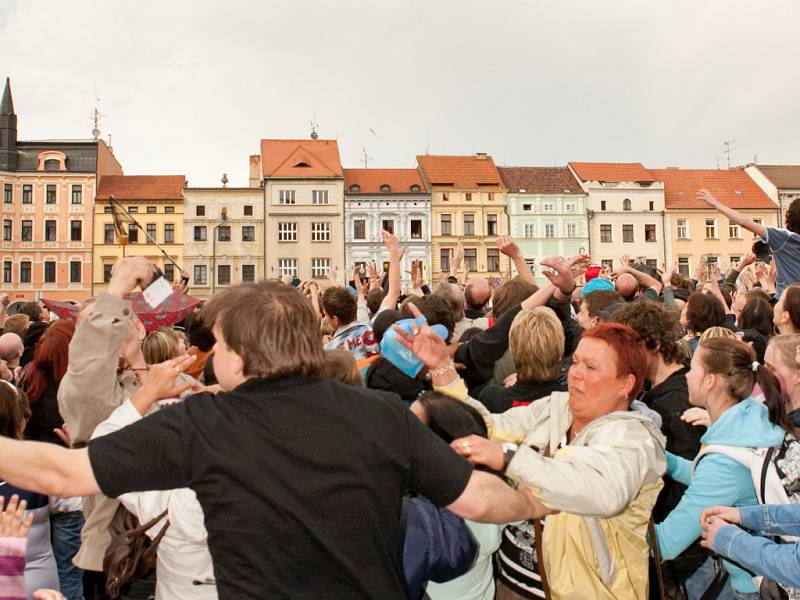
(183, 555)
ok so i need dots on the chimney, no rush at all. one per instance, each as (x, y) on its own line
(255, 170)
(481, 155)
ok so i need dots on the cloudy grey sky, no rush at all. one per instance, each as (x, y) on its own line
(192, 86)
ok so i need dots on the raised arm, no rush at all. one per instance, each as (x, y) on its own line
(507, 245)
(47, 468)
(734, 215)
(395, 257)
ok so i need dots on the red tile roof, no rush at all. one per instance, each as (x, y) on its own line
(300, 158)
(611, 172)
(540, 180)
(733, 187)
(463, 172)
(141, 187)
(370, 181)
(783, 177)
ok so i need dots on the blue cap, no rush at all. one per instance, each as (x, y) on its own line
(400, 356)
(596, 285)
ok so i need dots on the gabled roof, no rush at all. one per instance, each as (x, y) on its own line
(300, 158)
(732, 187)
(370, 181)
(141, 187)
(611, 172)
(540, 180)
(783, 177)
(464, 172)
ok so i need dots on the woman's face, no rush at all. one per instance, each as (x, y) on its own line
(695, 379)
(777, 313)
(786, 375)
(595, 389)
(683, 320)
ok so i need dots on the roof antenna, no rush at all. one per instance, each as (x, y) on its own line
(314, 134)
(365, 158)
(96, 117)
(728, 145)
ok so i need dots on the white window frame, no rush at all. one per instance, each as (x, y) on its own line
(355, 237)
(287, 266)
(321, 231)
(287, 231)
(319, 197)
(712, 223)
(200, 269)
(286, 197)
(320, 267)
(529, 230)
(549, 231)
(572, 230)
(687, 262)
(682, 224)
(734, 231)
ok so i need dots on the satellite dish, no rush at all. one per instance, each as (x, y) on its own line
(96, 133)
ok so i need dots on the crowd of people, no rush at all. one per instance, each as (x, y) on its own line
(622, 434)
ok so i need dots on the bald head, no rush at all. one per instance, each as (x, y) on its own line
(627, 285)
(477, 293)
(11, 348)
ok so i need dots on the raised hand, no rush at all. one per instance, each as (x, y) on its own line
(666, 276)
(563, 278)
(128, 273)
(423, 342)
(707, 197)
(13, 522)
(507, 245)
(748, 260)
(625, 260)
(162, 383)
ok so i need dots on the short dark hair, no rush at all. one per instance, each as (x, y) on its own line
(600, 300)
(657, 327)
(793, 216)
(451, 419)
(435, 310)
(704, 311)
(757, 314)
(32, 310)
(279, 338)
(374, 299)
(511, 293)
(198, 333)
(384, 320)
(453, 298)
(339, 302)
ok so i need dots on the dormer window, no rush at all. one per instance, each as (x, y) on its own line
(626, 204)
(738, 192)
(355, 188)
(303, 165)
(414, 188)
(385, 188)
(52, 160)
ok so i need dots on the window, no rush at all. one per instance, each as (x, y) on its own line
(468, 196)
(649, 233)
(490, 196)
(471, 259)
(735, 260)
(151, 233)
(444, 259)
(569, 207)
(683, 229)
(169, 272)
(108, 209)
(108, 233)
(605, 234)
(286, 197)
(52, 164)
(319, 267)
(77, 194)
(200, 233)
(414, 188)
(572, 230)
(27, 231)
(200, 275)
(386, 188)
(607, 263)
(321, 232)
(469, 224)
(75, 231)
(626, 204)
(652, 205)
(133, 209)
(627, 233)
(6, 271)
(388, 225)
(549, 207)
(287, 266)
(49, 231)
(50, 194)
(549, 230)
(287, 232)
(199, 211)
(169, 209)
(445, 196)
(75, 267)
(733, 230)
(223, 274)
(152, 209)
(529, 230)
(169, 233)
(526, 207)
(491, 225)
(651, 262)
(447, 225)
(416, 229)
(25, 271)
(248, 211)
(8, 193)
(757, 222)
(602, 204)
(248, 233)
(355, 188)
(359, 229)
(531, 264)
(224, 233)
(711, 228)
(49, 271)
(27, 194)
(133, 234)
(320, 196)
(7, 229)
(107, 271)
(248, 273)
(492, 259)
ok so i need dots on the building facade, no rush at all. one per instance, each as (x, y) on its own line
(698, 234)
(780, 182)
(625, 212)
(546, 213)
(223, 237)
(392, 199)
(468, 209)
(48, 191)
(155, 203)
(303, 185)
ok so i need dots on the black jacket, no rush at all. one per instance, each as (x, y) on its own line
(35, 331)
(498, 399)
(383, 375)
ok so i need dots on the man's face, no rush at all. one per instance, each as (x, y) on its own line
(228, 365)
(583, 318)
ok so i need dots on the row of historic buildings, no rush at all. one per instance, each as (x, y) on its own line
(303, 213)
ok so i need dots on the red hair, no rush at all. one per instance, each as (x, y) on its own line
(50, 359)
(631, 355)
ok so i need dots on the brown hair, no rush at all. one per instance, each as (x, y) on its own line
(374, 299)
(340, 365)
(757, 314)
(792, 219)
(536, 341)
(791, 303)
(657, 327)
(453, 298)
(597, 302)
(279, 337)
(18, 324)
(339, 302)
(435, 310)
(703, 311)
(510, 293)
(15, 411)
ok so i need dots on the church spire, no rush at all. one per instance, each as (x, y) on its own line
(8, 131)
(7, 104)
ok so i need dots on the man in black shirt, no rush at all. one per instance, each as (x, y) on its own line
(300, 479)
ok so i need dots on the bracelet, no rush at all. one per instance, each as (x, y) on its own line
(442, 370)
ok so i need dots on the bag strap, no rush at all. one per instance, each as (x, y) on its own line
(651, 532)
(144, 528)
(538, 534)
(713, 590)
(762, 487)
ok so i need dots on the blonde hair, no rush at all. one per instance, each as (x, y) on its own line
(160, 345)
(717, 332)
(786, 347)
(18, 324)
(340, 365)
(536, 341)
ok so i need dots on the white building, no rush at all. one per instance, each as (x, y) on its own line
(392, 199)
(780, 182)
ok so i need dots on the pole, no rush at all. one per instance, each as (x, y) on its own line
(144, 231)
(214, 257)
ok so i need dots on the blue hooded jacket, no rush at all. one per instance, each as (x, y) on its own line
(718, 480)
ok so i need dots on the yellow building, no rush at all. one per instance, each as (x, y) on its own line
(155, 202)
(468, 208)
(698, 234)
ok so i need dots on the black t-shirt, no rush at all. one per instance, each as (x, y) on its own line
(301, 482)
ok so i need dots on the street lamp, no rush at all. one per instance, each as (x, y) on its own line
(224, 216)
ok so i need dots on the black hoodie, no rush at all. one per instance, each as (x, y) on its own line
(383, 375)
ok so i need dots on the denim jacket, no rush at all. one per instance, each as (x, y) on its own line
(780, 562)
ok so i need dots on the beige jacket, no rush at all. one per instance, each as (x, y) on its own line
(605, 484)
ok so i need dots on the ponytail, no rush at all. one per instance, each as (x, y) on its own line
(774, 399)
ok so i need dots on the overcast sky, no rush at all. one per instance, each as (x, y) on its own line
(190, 87)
